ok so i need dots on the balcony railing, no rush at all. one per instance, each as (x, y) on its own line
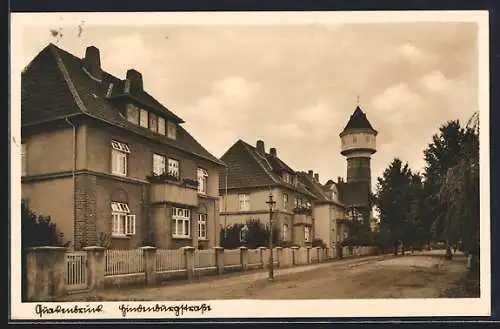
(303, 211)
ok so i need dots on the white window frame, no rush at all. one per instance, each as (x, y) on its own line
(153, 122)
(285, 201)
(162, 127)
(173, 167)
(119, 158)
(181, 215)
(23, 159)
(171, 127)
(143, 118)
(202, 226)
(202, 175)
(287, 178)
(159, 164)
(284, 233)
(307, 234)
(244, 201)
(123, 222)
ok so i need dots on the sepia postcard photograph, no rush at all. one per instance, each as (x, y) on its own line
(249, 165)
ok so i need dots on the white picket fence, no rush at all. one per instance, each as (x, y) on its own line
(204, 258)
(170, 260)
(127, 261)
(254, 257)
(76, 273)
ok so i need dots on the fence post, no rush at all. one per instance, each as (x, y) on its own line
(244, 258)
(45, 271)
(317, 254)
(262, 260)
(219, 259)
(149, 261)
(295, 249)
(189, 257)
(96, 266)
(308, 255)
(279, 255)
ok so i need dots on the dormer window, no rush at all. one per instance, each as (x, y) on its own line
(133, 114)
(161, 126)
(153, 122)
(287, 178)
(171, 130)
(143, 118)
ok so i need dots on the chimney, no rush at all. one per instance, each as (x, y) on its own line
(135, 79)
(260, 147)
(316, 177)
(339, 179)
(310, 173)
(272, 151)
(92, 62)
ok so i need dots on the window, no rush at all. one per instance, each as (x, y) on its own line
(287, 178)
(307, 234)
(23, 159)
(285, 200)
(153, 123)
(202, 180)
(161, 126)
(123, 221)
(143, 118)
(368, 138)
(244, 202)
(171, 130)
(354, 139)
(133, 114)
(202, 226)
(284, 235)
(119, 154)
(158, 164)
(181, 220)
(173, 168)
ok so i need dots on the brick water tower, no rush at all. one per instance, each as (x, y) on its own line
(358, 144)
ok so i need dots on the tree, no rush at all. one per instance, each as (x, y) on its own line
(36, 230)
(257, 235)
(443, 153)
(459, 192)
(397, 199)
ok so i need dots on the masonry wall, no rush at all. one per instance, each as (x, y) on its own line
(52, 198)
(93, 214)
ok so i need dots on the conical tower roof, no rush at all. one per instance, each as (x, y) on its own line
(358, 121)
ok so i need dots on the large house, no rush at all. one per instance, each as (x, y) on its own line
(252, 174)
(108, 162)
(328, 212)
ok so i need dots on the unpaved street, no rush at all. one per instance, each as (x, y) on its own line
(411, 276)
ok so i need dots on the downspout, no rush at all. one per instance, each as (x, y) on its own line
(74, 179)
(225, 199)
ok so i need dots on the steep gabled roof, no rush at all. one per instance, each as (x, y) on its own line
(317, 189)
(247, 168)
(55, 86)
(358, 120)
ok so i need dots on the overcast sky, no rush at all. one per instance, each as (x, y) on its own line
(296, 86)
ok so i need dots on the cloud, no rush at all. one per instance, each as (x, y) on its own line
(396, 99)
(435, 82)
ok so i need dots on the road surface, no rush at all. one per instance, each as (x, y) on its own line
(423, 275)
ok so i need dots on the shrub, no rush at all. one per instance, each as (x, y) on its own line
(318, 243)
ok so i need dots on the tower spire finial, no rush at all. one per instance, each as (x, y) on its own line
(357, 100)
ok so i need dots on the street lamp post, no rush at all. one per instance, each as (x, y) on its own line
(271, 204)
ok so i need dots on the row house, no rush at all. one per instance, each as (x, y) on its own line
(250, 176)
(108, 162)
(328, 211)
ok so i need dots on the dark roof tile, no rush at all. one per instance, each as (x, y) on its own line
(358, 120)
(54, 85)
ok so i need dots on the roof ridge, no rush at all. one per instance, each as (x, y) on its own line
(246, 145)
(67, 78)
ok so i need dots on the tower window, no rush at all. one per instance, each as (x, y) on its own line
(354, 139)
(367, 138)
